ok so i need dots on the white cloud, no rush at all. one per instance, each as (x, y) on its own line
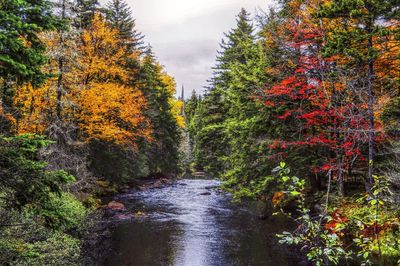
(185, 33)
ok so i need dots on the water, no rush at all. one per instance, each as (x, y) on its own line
(183, 227)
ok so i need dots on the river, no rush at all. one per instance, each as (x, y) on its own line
(179, 225)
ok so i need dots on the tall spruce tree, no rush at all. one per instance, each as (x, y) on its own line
(85, 11)
(21, 50)
(162, 153)
(232, 123)
(119, 15)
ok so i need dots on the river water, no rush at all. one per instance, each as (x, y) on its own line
(177, 225)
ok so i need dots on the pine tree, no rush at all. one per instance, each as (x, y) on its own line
(85, 11)
(162, 153)
(21, 50)
(119, 15)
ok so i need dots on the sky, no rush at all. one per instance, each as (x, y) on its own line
(185, 34)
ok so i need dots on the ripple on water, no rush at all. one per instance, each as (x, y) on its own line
(182, 227)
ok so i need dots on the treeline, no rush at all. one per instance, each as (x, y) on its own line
(314, 84)
(85, 107)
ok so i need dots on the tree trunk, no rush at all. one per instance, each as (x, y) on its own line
(60, 68)
(371, 119)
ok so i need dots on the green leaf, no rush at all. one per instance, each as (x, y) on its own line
(295, 193)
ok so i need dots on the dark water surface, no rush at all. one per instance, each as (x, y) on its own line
(183, 227)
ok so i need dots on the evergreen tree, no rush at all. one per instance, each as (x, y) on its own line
(21, 50)
(210, 146)
(85, 11)
(232, 124)
(119, 15)
(162, 153)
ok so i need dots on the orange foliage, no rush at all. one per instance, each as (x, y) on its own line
(35, 107)
(109, 110)
(277, 198)
(112, 112)
(96, 97)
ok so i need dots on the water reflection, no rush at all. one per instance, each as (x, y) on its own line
(184, 227)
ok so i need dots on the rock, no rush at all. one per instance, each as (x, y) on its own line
(211, 187)
(167, 181)
(157, 184)
(116, 206)
(205, 193)
(182, 184)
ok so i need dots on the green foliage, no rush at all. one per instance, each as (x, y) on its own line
(364, 229)
(119, 15)
(29, 243)
(36, 213)
(127, 165)
(25, 179)
(85, 10)
(321, 246)
(22, 52)
(63, 212)
(162, 154)
(229, 127)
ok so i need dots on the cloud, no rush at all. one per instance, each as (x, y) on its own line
(185, 34)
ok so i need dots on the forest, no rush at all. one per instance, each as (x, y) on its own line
(302, 113)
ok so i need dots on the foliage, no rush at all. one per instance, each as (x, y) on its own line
(364, 229)
(24, 178)
(119, 15)
(22, 51)
(158, 88)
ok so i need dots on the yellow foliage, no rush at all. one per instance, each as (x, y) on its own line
(35, 105)
(113, 112)
(175, 105)
(95, 95)
(102, 57)
(176, 110)
(109, 110)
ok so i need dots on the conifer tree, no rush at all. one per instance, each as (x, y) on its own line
(85, 11)
(119, 15)
(162, 153)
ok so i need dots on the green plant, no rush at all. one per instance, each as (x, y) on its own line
(322, 247)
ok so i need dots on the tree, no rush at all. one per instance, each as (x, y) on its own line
(22, 51)
(363, 27)
(119, 15)
(109, 109)
(85, 10)
(158, 89)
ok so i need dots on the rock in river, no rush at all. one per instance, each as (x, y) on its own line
(116, 206)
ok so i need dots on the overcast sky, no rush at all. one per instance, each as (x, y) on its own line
(185, 33)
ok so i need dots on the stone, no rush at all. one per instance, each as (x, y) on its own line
(116, 206)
